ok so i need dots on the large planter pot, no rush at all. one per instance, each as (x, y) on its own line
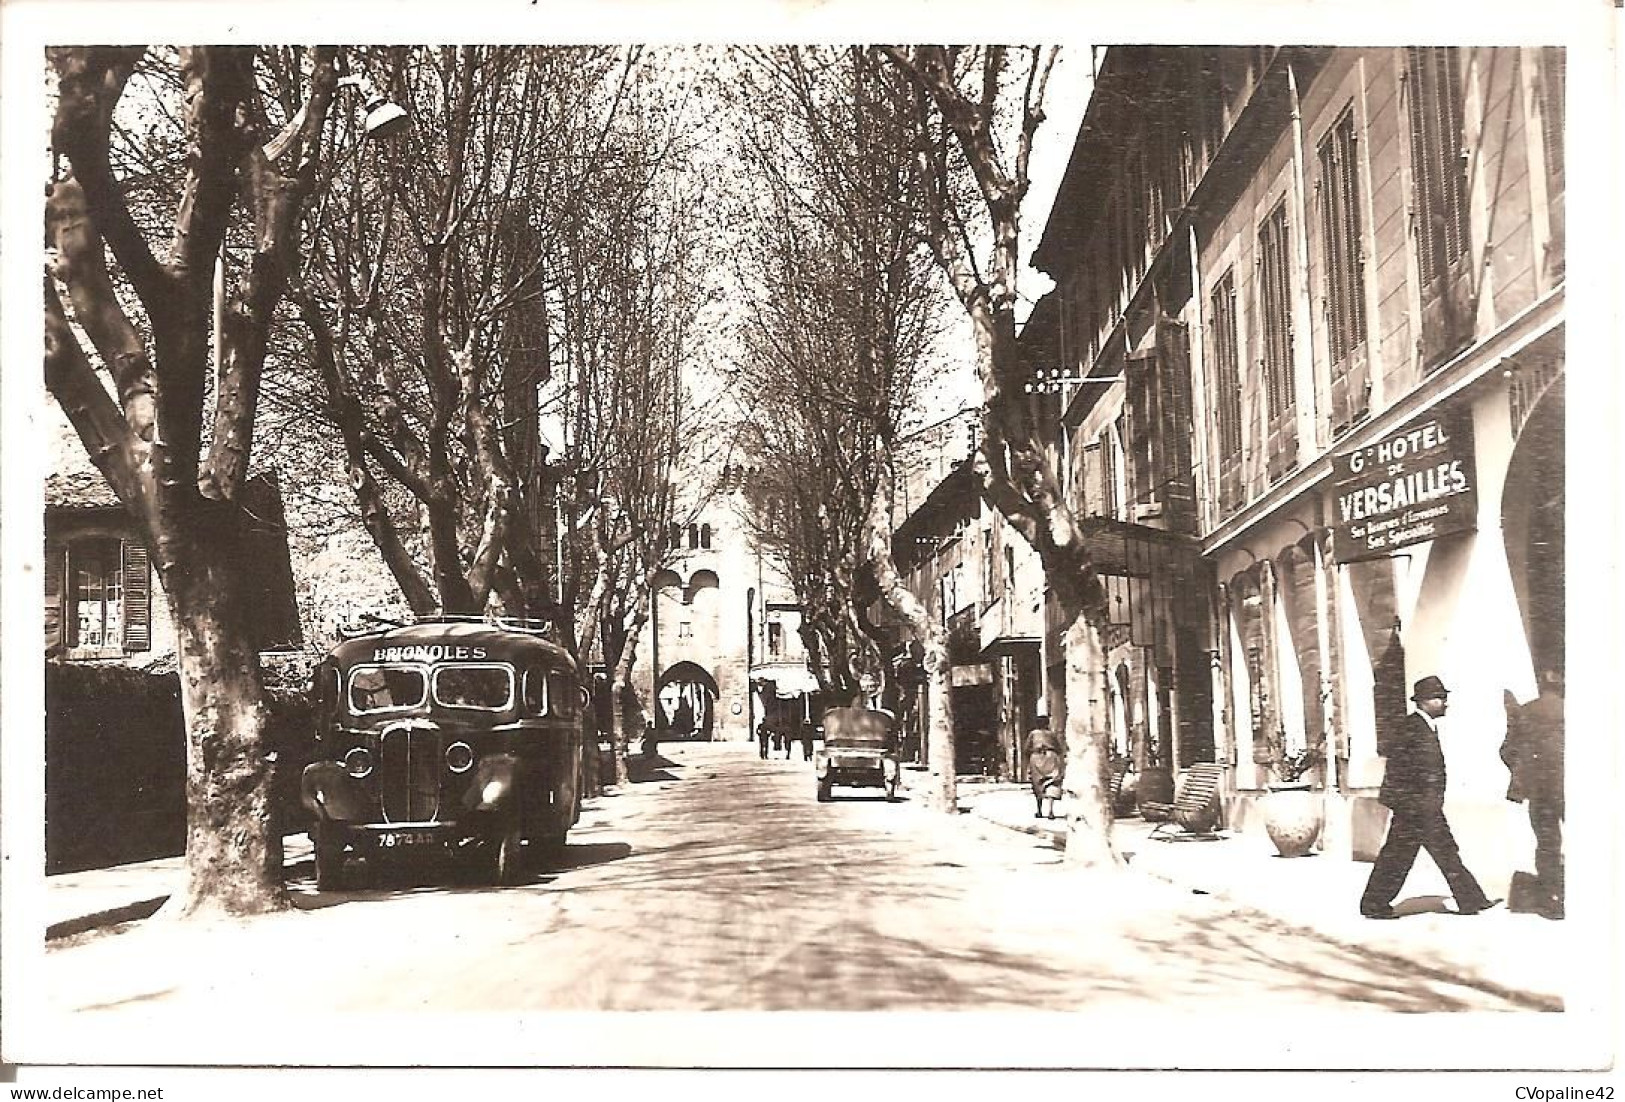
(1292, 817)
(1128, 797)
(1155, 786)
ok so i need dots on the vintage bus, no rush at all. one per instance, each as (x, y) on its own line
(451, 736)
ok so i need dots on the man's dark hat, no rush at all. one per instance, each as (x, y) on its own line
(1429, 686)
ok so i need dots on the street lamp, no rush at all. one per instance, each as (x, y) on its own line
(380, 118)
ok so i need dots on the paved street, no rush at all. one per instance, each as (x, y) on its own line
(719, 883)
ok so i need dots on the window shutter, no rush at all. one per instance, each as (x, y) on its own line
(53, 600)
(1173, 432)
(137, 597)
(1094, 497)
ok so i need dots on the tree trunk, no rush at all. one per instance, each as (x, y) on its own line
(633, 717)
(630, 706)
(1088, 744)
(233, 829)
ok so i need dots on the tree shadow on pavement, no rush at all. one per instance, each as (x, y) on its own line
(1242, 951)
(643, 769)
(396, 879)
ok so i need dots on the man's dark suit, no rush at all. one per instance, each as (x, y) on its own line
(1533, 752)
(1413, 787)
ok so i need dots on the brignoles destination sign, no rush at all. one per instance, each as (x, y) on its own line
(434, 652)
(1411, 486)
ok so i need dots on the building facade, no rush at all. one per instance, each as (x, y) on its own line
(983, 584)
(102, 598)
(723, 638)
(1317, 295)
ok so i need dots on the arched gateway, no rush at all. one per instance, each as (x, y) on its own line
(687, 695)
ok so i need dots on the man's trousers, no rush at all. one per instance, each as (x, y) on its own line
(1409, 832)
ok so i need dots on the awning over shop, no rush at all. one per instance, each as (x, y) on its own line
(788, 680)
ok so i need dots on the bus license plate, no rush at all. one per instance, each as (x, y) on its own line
(394, 839)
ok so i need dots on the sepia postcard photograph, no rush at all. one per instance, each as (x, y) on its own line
(833, 542)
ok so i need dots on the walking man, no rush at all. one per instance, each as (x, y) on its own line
(1533, 752)
(1413, 788)
(761, 738)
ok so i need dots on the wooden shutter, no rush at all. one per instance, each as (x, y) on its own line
(1093, 497)
(1226, 390)
(1296, 591)
(1376, 604)
(273, 608)
(1344, 272)
(137, 597)
(1173, 432)
(1140, 406)
(1275, 341)
(1553, 119)
(54, 641)
(1109, 505)
(1439, 212)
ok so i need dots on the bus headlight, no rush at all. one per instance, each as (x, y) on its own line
(358, 762)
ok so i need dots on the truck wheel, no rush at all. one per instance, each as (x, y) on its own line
(507, 854)
(329, 859)
(824, 790)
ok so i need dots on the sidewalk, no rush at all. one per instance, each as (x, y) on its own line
(1514, 953)
(80, 901)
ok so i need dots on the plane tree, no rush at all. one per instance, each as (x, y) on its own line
(848, 309)
(976, 111)
(163, 396)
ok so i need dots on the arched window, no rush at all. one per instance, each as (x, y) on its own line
(705, 537)
(693, 537)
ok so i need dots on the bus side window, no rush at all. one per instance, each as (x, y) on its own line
(535, 692)
(563, 696)
(324, 692)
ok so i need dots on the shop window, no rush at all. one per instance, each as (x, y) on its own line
(1344, 277)
(1275, 336)
(98, 597)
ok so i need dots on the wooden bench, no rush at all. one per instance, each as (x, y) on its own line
(1195, 809)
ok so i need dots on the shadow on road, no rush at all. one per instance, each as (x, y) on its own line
(643, 769)
(1218, 952)
(395, 879)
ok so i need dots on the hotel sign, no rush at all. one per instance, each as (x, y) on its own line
(1410, 486)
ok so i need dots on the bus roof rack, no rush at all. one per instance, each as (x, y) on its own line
(531, 624)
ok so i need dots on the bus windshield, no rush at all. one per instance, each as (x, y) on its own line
(486, 687)
(381, 688)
